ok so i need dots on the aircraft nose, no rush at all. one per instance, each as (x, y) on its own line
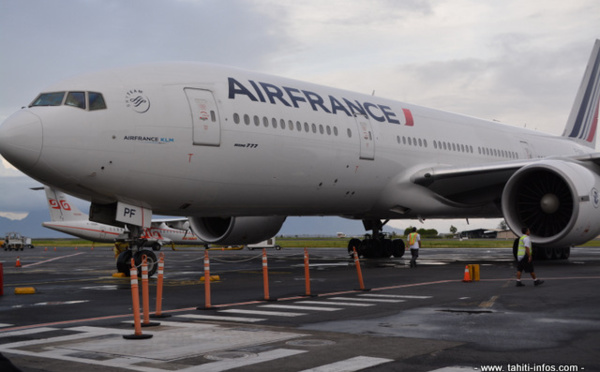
(21, 139)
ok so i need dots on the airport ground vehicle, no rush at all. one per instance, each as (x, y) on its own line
(269, 243)
(16, 241)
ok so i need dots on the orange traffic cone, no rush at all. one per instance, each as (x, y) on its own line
(467, 277)
(18, 262)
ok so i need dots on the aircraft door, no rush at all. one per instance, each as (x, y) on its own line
(527, 150)
(366, 137)
(205, 117)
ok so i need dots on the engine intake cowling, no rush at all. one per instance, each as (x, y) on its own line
(235, 230)
(558, 200)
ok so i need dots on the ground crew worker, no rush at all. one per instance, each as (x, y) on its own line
(525, 258)
(414, 243)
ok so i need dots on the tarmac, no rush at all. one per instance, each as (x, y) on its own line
(394, 319)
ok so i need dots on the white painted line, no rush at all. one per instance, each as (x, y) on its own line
(216, 317)
(52, 259)
(258, 312)
(103, 288)
(225, 365)
(334, 303)
(366, 299)
(295, 307)
(27, 331)
(349, 365)
(4, 325)
(394, 296)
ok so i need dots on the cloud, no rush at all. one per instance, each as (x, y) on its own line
(14, 216)
(514, 61)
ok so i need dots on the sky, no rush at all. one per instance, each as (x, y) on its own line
(518, 62)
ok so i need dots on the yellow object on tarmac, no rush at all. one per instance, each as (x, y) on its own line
(474, 272)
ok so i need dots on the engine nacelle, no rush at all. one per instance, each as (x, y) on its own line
(235, 230)
(558, 200)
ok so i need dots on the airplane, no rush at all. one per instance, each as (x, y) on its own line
(67, 218)
(238, 151)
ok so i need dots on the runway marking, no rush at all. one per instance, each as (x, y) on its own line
(295, 307)
(106, 347)
(27, 332)
(259, 312)
(352, 364)
(489, 303)
(55, 303)
(394, 296)
(225, 365)
(217, 317)
(335, 303)
(52, 259)
(5, 325)
(366, 299)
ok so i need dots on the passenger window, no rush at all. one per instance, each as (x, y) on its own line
(97, 101)
(76, 99)
(49, 99)
(236, 118)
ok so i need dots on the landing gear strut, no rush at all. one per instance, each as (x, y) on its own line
(132, 247)
(377, 245)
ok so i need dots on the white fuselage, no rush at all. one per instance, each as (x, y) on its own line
(264, 146)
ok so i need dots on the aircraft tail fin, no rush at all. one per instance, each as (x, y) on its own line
(60, 208)
(583, 120)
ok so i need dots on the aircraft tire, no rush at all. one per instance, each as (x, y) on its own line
(353, 243)
(548, 253)
(387, 250)
(566, 252)
(124, 262)
(398, 248)
(515, 248)
(150, 258)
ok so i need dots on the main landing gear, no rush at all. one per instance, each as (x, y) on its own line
(132, 247)
(377, 245)
(545, 253)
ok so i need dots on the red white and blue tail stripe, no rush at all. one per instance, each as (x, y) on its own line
(583, 120)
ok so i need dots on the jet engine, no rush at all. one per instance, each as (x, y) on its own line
(558, 200)
(235, 230)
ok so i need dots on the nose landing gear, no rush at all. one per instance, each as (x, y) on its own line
(132, 247)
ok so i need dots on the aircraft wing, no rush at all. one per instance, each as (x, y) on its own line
(479, 184)
(174, 223)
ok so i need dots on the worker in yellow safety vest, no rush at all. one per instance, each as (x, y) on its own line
(525, 258)
(414, 243)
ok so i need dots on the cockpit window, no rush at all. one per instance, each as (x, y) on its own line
(90, 100)
(76, 99)
(96, 101)
(49, 99)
